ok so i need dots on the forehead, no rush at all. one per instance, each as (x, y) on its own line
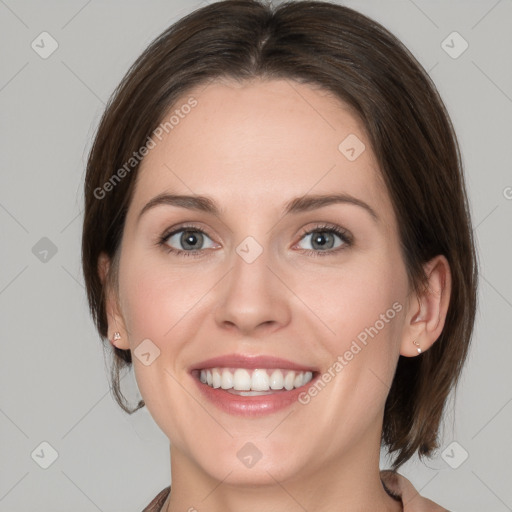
(258, 144)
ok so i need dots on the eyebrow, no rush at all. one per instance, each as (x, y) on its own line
(296, 205)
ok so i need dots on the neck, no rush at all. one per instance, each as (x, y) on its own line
(350, 483)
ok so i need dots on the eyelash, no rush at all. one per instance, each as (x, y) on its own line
(343, 234)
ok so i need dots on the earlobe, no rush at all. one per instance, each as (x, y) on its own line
(117, 333)
(427, 315)
(118, 341)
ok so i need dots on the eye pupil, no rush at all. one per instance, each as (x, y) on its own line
(320, 240)
(190, 238)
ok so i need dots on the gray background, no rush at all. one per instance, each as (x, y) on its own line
(53, 379)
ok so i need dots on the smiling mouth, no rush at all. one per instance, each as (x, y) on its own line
(253, 382)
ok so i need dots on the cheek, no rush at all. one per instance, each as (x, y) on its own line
(363, 311)
(156, 299)
(154, 306)
(361, 300)
(360, 309)
(157, 305)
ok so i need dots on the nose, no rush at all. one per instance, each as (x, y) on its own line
(253, 299)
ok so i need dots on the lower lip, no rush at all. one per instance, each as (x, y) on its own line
(252, 405)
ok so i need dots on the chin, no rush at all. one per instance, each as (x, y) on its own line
(252, 463)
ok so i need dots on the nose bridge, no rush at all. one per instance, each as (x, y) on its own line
(252, 295)
(250, 262)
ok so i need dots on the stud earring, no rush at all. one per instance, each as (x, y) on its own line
(117, 336)
(418, 345)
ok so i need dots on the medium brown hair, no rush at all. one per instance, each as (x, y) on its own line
(407, 125)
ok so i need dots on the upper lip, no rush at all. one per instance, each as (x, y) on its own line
(251, 362)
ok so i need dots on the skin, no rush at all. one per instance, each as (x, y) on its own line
(251, 148)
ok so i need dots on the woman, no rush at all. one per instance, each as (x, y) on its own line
(277, 237)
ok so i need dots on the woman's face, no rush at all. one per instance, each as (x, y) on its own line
(263, 276)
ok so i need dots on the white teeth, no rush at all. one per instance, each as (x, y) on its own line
(289, 380)
(253, 382)
(276, 380)
(216, 378)
(299, 379)
(260, 380)
(241, 379)
(227, 380)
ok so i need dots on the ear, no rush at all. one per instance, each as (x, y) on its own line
(114, 317)
(427, 311)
